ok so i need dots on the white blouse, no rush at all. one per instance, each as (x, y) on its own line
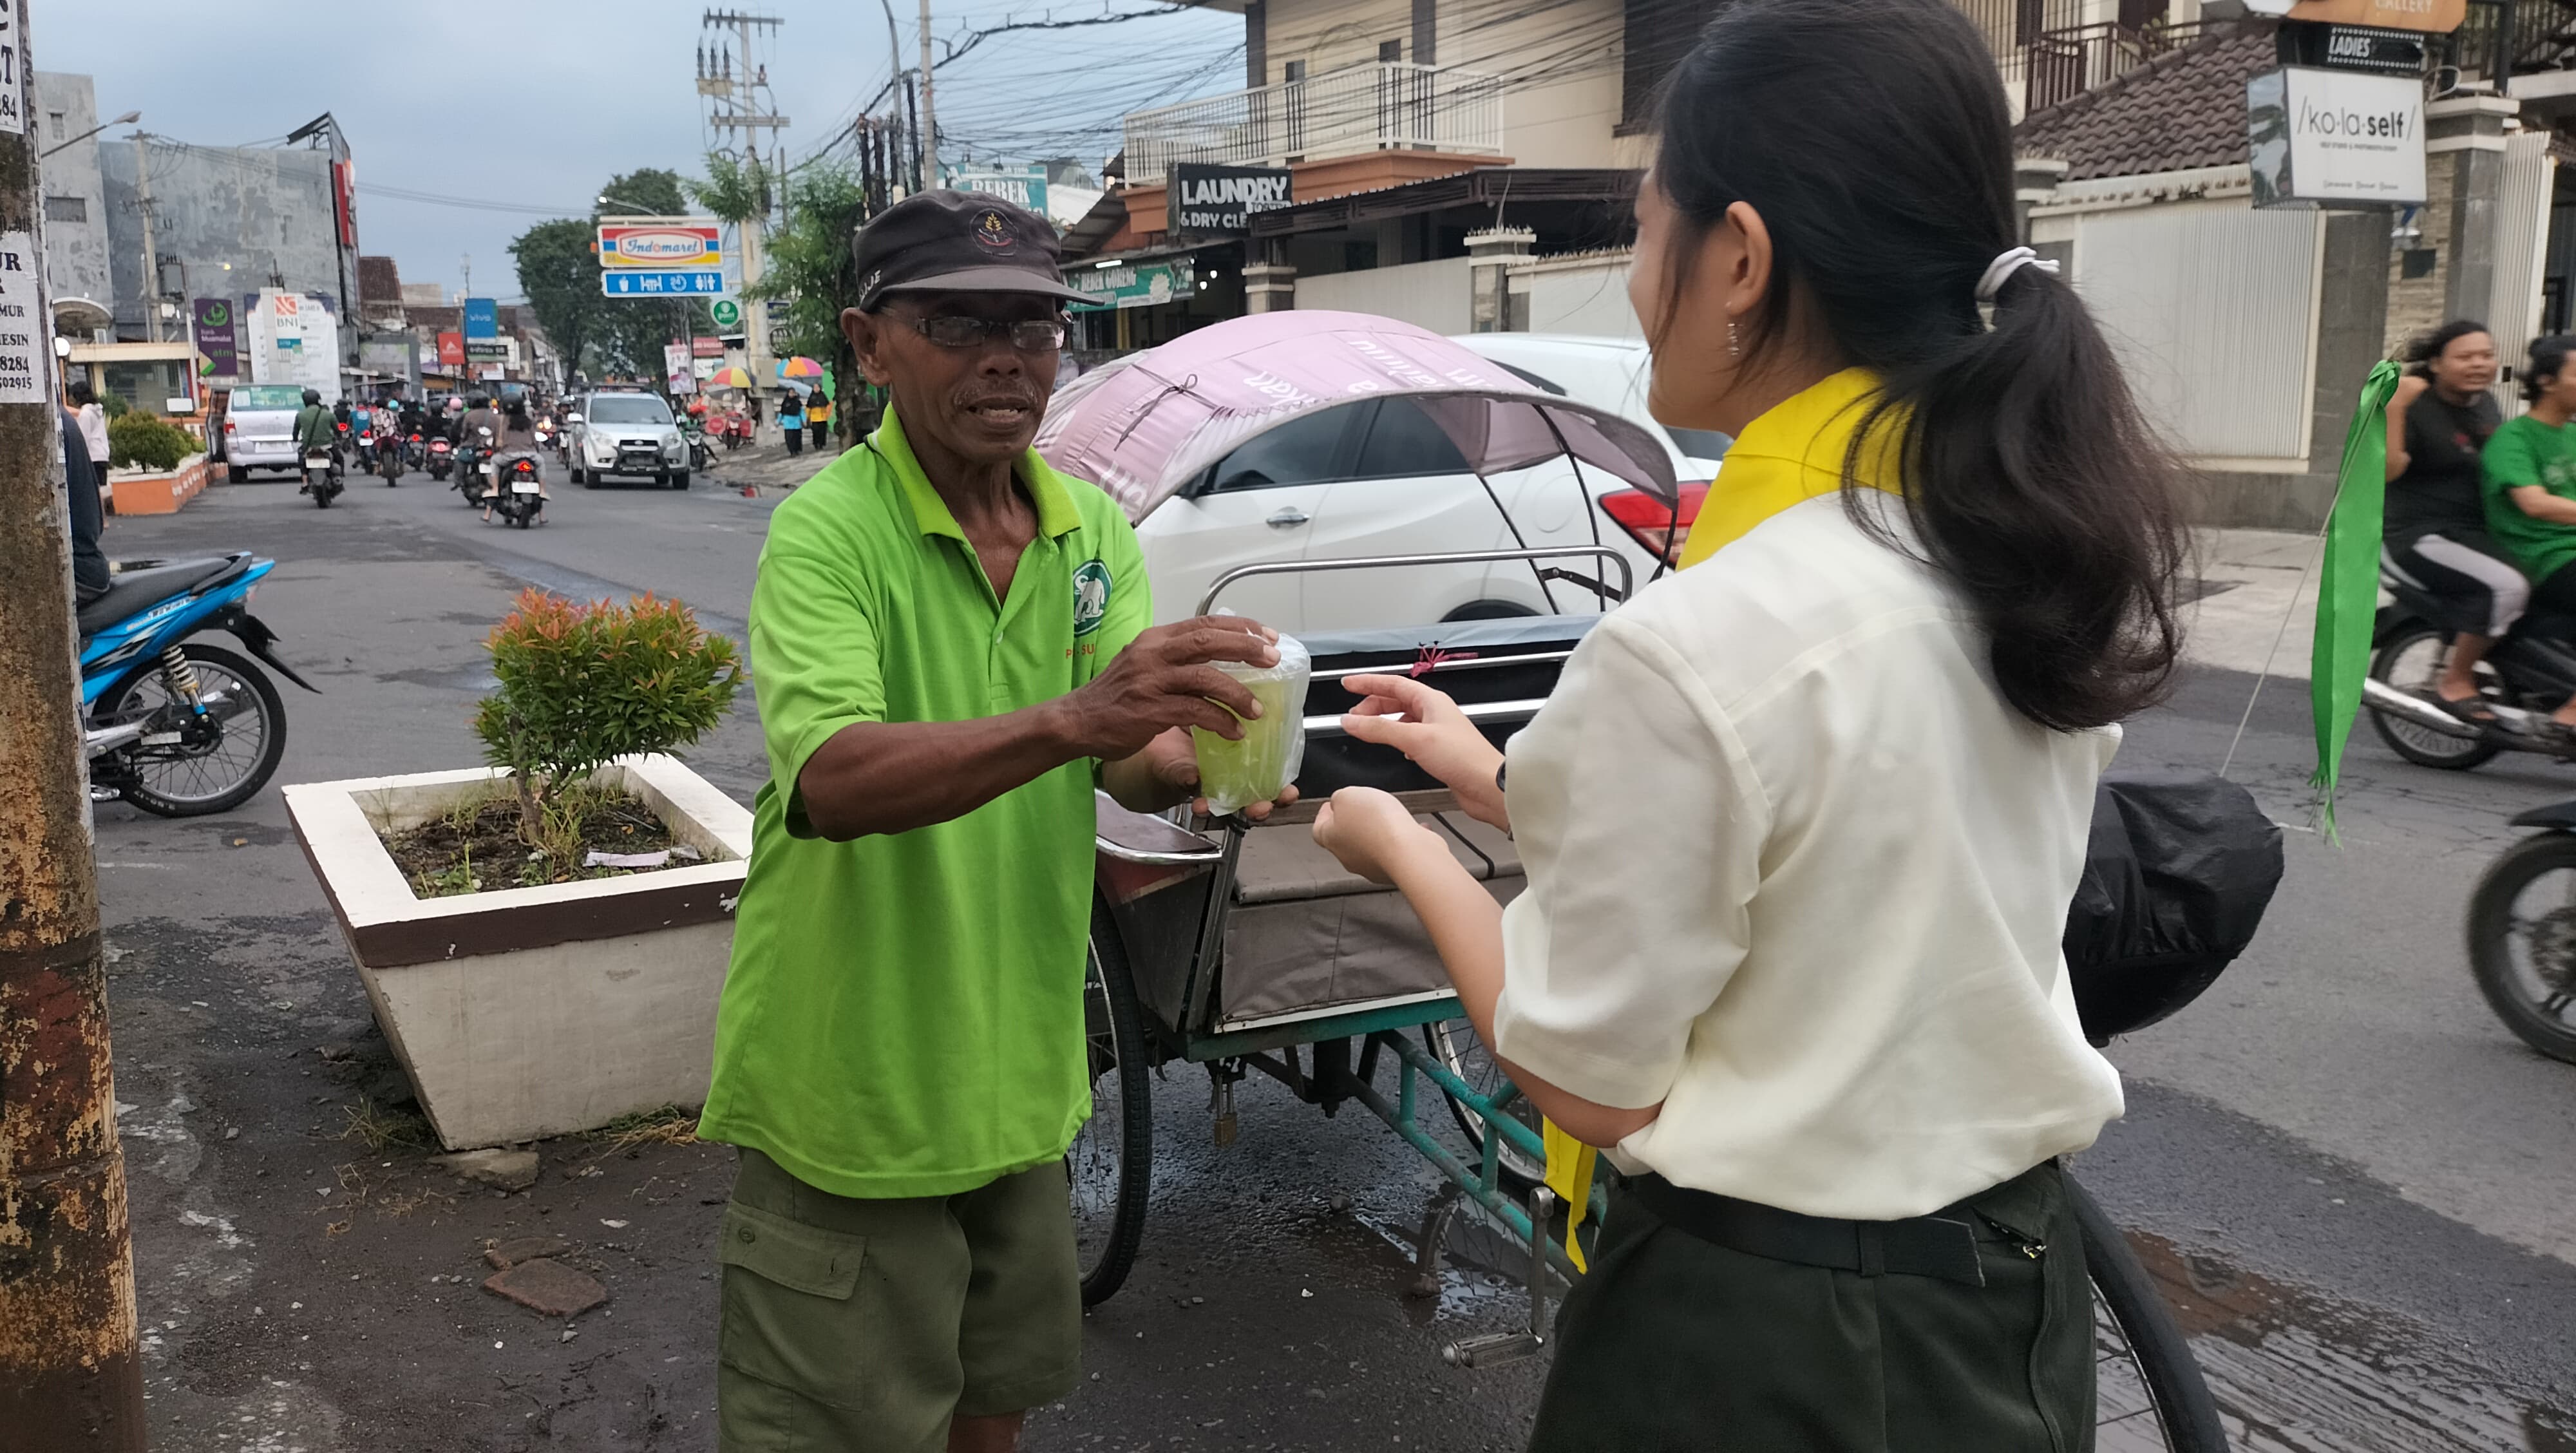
(1799, 873)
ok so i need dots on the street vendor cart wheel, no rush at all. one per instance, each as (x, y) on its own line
(1456, 1045)
(1111, 1162)
(2148, 1392)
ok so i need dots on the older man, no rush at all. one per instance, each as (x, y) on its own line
(949, 644)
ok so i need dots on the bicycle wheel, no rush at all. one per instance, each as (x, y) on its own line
(1456, 1045)
(1111, 1162)
(2148, 1393)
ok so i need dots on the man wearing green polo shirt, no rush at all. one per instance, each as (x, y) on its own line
(950, 648)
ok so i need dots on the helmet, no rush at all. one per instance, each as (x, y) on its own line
(313, 395)
(476, 401)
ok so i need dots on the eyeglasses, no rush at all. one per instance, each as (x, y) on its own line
(1032, 335)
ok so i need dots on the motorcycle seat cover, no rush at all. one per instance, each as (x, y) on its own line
(133, 592)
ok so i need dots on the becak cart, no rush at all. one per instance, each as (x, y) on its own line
(1240, 946)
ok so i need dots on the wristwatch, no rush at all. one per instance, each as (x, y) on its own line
(1499, 769)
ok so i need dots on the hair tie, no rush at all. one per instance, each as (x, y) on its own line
(2000, 271)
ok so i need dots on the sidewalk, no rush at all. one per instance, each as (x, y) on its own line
(765, 468)
(2250, 583)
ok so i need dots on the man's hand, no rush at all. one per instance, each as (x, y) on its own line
(1163, 680)
(1428, 727)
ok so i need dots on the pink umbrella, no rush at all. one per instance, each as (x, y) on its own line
(1141, 426)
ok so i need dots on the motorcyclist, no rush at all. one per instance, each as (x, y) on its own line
(316, 428)
(516, 434)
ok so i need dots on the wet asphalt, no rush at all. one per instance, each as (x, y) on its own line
(2355, 1185)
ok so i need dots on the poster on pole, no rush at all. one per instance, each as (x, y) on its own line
(677, 371)
(24, 359)
(218, 339)
(13, 78)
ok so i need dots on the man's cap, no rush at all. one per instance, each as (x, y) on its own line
(958, 242)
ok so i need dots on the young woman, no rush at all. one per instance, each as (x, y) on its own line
(1801, 822)
(2436, 530)
(791, 420)
(2530, 473)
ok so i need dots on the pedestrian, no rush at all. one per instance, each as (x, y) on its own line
(791, 420)
(751, 401)
(82, 483)
(951, 648)
(2435, 530)
(818, 421)
(93, 427)
(2529, 472)
(1801, 822)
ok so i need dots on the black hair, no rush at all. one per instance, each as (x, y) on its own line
(2423, 348)
(82, 393)
(1873, 138)
(2548, 359)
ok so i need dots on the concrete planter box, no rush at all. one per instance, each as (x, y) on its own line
(526, 1012)
(153, 492)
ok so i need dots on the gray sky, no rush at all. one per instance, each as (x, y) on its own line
(534, 104)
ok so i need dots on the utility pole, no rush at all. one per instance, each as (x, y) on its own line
(465, 265)
(151, 258)
(71, 1374)
(929, 114)
(747, 104)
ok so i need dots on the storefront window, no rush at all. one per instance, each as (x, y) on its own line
(147, 384)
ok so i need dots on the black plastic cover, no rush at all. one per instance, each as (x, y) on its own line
(2178, 874)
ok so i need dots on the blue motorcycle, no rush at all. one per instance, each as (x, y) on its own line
(177, 726)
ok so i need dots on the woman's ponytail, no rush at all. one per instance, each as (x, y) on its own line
(1883, 173)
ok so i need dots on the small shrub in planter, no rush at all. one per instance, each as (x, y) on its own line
(137, 438)
(581, 685)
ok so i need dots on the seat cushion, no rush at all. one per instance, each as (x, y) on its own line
(133, 592)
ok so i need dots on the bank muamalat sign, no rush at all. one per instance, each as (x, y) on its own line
(2335, 136)
(1206, 198)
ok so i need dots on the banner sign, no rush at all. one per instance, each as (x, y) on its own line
(2354, 48)
(678, 374)
(1211, 200)
(13, 76)
(344, 188)
(676, 244)
(451, 350)
(2335, 136)
(1024, 188)
(487, 348)
(706, 348)
(482, 318)
(218, 337)
(2437, 17)
(1133, 284)
(636, 282)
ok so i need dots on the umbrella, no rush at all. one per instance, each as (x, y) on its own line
(1141, 426)
(734, 376)
(799, 367)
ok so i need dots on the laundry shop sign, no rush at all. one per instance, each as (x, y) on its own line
(1207, 200)
(2331, 136)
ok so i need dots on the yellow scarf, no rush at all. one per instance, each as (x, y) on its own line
(1793, 453)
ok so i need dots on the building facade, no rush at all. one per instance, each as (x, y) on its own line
(75, 205)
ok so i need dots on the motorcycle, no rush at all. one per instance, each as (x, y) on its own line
(177, 726)
(441, 458)
(517, 496)
(2528, 673)
(2525, 961)
(389, 460)
(321, 477)
(414, 455)
(474, 468)
(699, 454)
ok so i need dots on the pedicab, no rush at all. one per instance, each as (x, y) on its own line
(1241, 946)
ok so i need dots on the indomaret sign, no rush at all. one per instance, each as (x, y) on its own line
(1220, 200)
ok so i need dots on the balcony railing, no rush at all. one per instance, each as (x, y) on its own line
(1385, 105)
(2059, 65)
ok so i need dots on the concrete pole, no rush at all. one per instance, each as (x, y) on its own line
(71, 1375)
(929, 118)
(151, 258)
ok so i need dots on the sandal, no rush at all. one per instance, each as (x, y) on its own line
(2471, 709)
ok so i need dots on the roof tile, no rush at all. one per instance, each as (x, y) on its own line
(2181, 110)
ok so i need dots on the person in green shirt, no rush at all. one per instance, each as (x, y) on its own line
(950, 649)
(2529, 466)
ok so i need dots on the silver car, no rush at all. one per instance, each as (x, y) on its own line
(626, 434)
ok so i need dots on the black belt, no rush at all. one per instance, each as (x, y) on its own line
(1942, 1244)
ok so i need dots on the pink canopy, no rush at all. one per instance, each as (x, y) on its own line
(1140, 427)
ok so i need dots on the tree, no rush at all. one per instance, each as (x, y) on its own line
(559, 274)
(733, 191)
(640, 326)
(812, 272)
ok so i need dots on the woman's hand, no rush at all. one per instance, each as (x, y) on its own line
(1370, 832)
(2409, 389)
(1428, 727)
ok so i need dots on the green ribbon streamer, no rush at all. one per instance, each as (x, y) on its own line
(2348, 587)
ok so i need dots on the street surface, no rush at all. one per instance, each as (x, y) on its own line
(2359, 1187)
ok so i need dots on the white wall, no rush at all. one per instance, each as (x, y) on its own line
(1435, 295)
(1575, 295)
(1560, 63)
(2212, 307)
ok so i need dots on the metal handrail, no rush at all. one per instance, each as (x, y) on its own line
(1627, 571)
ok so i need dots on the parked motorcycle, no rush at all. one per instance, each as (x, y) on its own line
(441, 457)
(517, 496)
(178, 726)
(2522, 933)
(695, 432)
(321, 477)
(2528, 674)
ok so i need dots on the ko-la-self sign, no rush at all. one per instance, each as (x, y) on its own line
(2335, 136)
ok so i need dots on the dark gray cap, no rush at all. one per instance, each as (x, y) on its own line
(958, 242)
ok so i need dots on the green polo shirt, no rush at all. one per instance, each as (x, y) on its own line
(903, 1016)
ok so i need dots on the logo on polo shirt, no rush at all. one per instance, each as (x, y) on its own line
(992, 230)
(1090, 597)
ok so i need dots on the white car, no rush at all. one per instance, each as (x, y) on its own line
(626, 432)
(1377, 477)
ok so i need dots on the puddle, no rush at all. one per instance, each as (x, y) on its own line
(2295, 1372)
